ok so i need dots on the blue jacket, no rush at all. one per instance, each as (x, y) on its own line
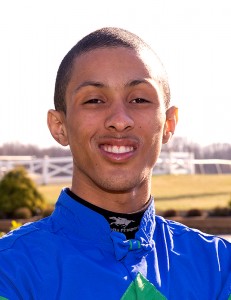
(73, 254)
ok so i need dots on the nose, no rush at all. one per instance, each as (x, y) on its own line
(119, 119)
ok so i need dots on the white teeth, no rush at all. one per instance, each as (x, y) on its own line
(117, 149)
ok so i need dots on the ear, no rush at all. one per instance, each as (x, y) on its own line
(170, 123)
(55, 122)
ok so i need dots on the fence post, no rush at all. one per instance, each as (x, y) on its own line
(45, 169)
(170, 163)
(218, 168)
(191, 164)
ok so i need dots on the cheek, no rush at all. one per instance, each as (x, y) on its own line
(155, 129)
(75, 131)
(153, 126)
(81, 130)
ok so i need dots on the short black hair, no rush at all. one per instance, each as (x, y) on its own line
(102, 38)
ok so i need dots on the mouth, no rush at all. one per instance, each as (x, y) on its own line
(117, 149)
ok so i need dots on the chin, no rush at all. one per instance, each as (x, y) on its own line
(121, 184)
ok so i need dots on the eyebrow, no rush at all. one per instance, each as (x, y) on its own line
(137, 82)
(102, 85)
(89, 83)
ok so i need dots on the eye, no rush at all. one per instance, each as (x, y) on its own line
(93, 101)
(139, 100)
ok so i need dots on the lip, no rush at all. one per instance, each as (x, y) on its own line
(118, 149)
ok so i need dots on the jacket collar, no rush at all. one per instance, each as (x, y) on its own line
(80, 222)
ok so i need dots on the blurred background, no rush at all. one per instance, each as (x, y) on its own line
(192, 39)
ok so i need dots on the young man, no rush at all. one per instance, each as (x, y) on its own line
(103, 240)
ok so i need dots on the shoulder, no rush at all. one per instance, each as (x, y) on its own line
(204, 257)
(181, 234)
(23, 251)
(28, 250)
(26, 234)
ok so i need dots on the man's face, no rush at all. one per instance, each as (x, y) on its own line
(114, 120)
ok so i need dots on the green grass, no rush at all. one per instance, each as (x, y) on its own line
(180, 192)
(183, 192)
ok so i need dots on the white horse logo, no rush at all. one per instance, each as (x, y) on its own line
(120, 221)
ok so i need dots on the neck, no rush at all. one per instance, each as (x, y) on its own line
(116, 201)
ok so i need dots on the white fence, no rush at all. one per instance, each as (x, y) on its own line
(43, 170)
(59, 169)
(175, 163)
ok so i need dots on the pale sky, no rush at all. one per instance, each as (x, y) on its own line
(192, 38)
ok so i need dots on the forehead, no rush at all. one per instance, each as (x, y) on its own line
(119, 60)
(115, 68)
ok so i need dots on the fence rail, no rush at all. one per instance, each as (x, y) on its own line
(59, 169)
(216, 162)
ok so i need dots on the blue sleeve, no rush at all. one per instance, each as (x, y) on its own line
(226, 291)
(8, 289)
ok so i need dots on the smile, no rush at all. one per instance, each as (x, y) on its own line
(117, 149)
